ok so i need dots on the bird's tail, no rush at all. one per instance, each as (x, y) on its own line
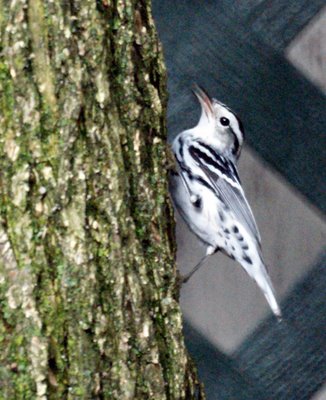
(260, 275)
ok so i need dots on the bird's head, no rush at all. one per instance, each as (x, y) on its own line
(220, 122)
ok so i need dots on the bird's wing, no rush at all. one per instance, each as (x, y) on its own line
(223, 178)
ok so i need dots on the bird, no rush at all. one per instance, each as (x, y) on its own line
(206, 190)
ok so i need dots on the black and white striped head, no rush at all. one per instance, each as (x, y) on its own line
(222, 122)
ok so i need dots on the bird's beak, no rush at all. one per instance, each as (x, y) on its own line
(204, 100)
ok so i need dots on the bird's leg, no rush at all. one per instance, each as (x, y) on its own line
(210, 250)
(186, 278)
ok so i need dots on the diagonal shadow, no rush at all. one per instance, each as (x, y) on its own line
(219, 373)
(275, 22)
(283, 113)
(289, 359)
(279, 361)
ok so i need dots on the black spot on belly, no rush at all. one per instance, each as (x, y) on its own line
(240, 238)
(232, 247)
(226, 231)
(221, 215)
(235, 229)
(247, 259)
(245, 247)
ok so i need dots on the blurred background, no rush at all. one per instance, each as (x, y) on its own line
(266, 59)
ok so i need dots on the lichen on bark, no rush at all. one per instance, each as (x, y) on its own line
(88, 305)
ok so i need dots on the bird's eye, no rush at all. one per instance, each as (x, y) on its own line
(224, 121)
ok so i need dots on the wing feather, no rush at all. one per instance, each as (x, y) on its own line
(222, 175)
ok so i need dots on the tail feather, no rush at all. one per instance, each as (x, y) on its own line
(260, 275)
(268, 290)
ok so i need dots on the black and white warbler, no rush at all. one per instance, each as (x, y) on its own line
(207, 192)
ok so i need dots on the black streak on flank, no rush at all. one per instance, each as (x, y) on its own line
(198, 153)
(194, 177)
(197, 203)
(197, 178)
(226, 167)
(211, 150)
(247, 259)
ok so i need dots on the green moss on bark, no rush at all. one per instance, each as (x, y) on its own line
(87, 268)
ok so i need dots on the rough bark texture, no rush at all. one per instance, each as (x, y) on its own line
(87, 269)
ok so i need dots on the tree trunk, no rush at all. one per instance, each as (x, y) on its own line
(88, 287)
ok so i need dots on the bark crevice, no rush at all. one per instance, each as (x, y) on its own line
(91, 296)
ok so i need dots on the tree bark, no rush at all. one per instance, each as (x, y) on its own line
(88, 284)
